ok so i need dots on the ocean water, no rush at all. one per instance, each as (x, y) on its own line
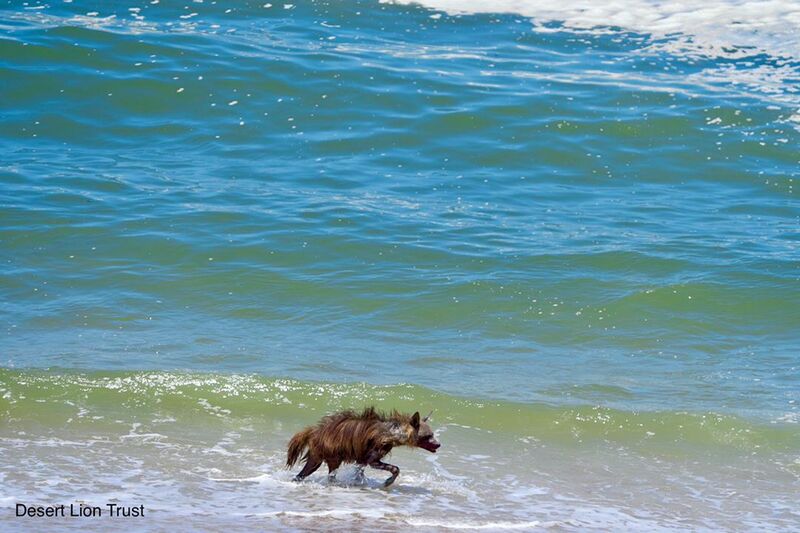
(572, 230)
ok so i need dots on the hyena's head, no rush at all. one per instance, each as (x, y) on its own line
(423, 434)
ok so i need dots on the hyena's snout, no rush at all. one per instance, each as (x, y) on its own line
(429, 443)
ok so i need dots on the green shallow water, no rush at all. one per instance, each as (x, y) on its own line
(99, 401)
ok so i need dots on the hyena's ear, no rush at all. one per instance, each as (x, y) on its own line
(415, 420)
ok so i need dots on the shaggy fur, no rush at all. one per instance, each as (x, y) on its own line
(362, 438)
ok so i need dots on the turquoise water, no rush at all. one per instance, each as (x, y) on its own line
(573, 232)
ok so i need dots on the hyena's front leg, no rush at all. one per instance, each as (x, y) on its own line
(377, 463)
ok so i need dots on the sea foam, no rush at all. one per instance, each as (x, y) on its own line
(723, 26)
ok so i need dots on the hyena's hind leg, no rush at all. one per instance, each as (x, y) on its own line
(312, 463)
(333, 466)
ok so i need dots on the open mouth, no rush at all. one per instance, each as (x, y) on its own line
(430, 446)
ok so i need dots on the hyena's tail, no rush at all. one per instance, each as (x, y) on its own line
(298, 443)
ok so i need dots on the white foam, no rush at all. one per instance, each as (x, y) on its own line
(717, 25)
(500, 525)
(378, 514)
(330, 513)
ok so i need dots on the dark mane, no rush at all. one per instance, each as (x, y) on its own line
(369, 414)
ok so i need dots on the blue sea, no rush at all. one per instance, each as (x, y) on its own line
(572, 229)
